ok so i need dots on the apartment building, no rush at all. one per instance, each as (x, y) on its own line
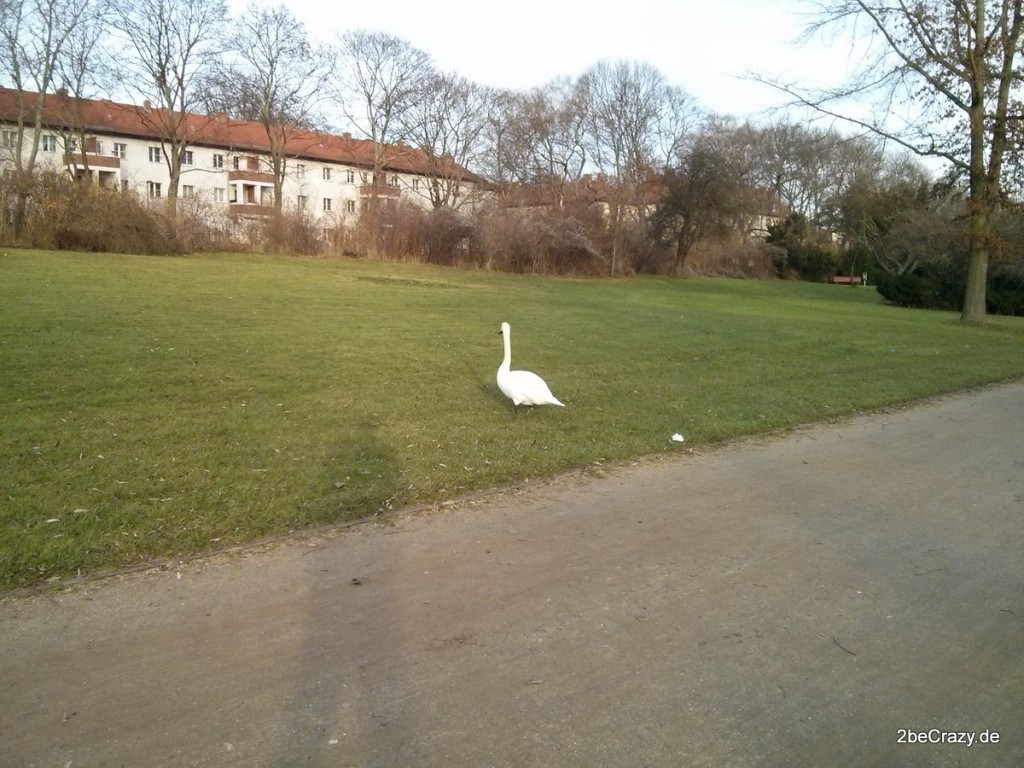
(228, 161)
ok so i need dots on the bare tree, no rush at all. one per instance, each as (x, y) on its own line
(34, 36)
(956, 64)
(539, 137)
(382, 76)
(555, 124)
(709, 190)
(807, 167)
(275, 77)
(503, 151)
(168, 44)
(81, 68)
(680, 116)
(624, 101)
(552, 134)
(447, 124)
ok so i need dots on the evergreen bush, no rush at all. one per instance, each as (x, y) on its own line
(934, 286)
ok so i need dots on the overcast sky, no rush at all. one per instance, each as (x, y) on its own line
(705, 47)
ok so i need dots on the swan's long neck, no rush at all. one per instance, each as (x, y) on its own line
(507, 362)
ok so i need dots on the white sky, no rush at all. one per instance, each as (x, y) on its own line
(703, 46)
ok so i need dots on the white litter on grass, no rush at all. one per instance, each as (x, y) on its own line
(677, 438)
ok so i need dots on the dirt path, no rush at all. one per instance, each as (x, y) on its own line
(805, 600)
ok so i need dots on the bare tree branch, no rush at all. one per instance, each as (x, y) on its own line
(167, 45)
(275, 77)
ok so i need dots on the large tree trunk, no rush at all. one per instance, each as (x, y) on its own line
(279, 174)
(682, 252)
(977, 269)
(172, 198)
(981, 199)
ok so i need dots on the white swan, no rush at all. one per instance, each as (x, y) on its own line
(522, 387)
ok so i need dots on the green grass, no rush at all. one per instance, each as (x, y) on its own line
(156, 407)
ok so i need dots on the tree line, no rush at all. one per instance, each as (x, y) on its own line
(678, 177)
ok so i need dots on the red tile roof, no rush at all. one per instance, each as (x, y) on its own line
(218, 130)
(588, 190)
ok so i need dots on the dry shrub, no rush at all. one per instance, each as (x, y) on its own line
(635, 251)
(405, 232)
(79, 217)
(246, 233)
(731, 258)
(545, 242)
(446, 238)
(513, 241)
(291, 232)
(201, 225)
(380, 232)
(49, 210)
(340, 239)
(397, 231)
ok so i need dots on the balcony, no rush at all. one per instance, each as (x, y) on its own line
(79, 160)
(255, 177)
(251, 210)
(380, 191)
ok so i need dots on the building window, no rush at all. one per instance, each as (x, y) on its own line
(49, 143)
(120, 150)
(154, 188)
(187, 190)
(350, 206)
(327, 175)
(234, 162)
(218, 161)
(301, 202)
(219, 195)
(300, 171)
(327, 203)
(394, 180)
(416, 183)
(350, 177)
(187, 159)
(8, 139)
(155, 155)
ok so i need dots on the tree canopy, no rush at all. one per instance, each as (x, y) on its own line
(945, 76)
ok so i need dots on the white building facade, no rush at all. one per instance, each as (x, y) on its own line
(227, 162)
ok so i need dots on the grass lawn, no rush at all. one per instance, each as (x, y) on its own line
(152, 407)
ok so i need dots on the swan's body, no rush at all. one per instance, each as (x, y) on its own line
(522, 387)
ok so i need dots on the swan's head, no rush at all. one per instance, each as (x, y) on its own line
(505, 328)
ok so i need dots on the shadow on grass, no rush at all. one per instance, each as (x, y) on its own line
(362, 473)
